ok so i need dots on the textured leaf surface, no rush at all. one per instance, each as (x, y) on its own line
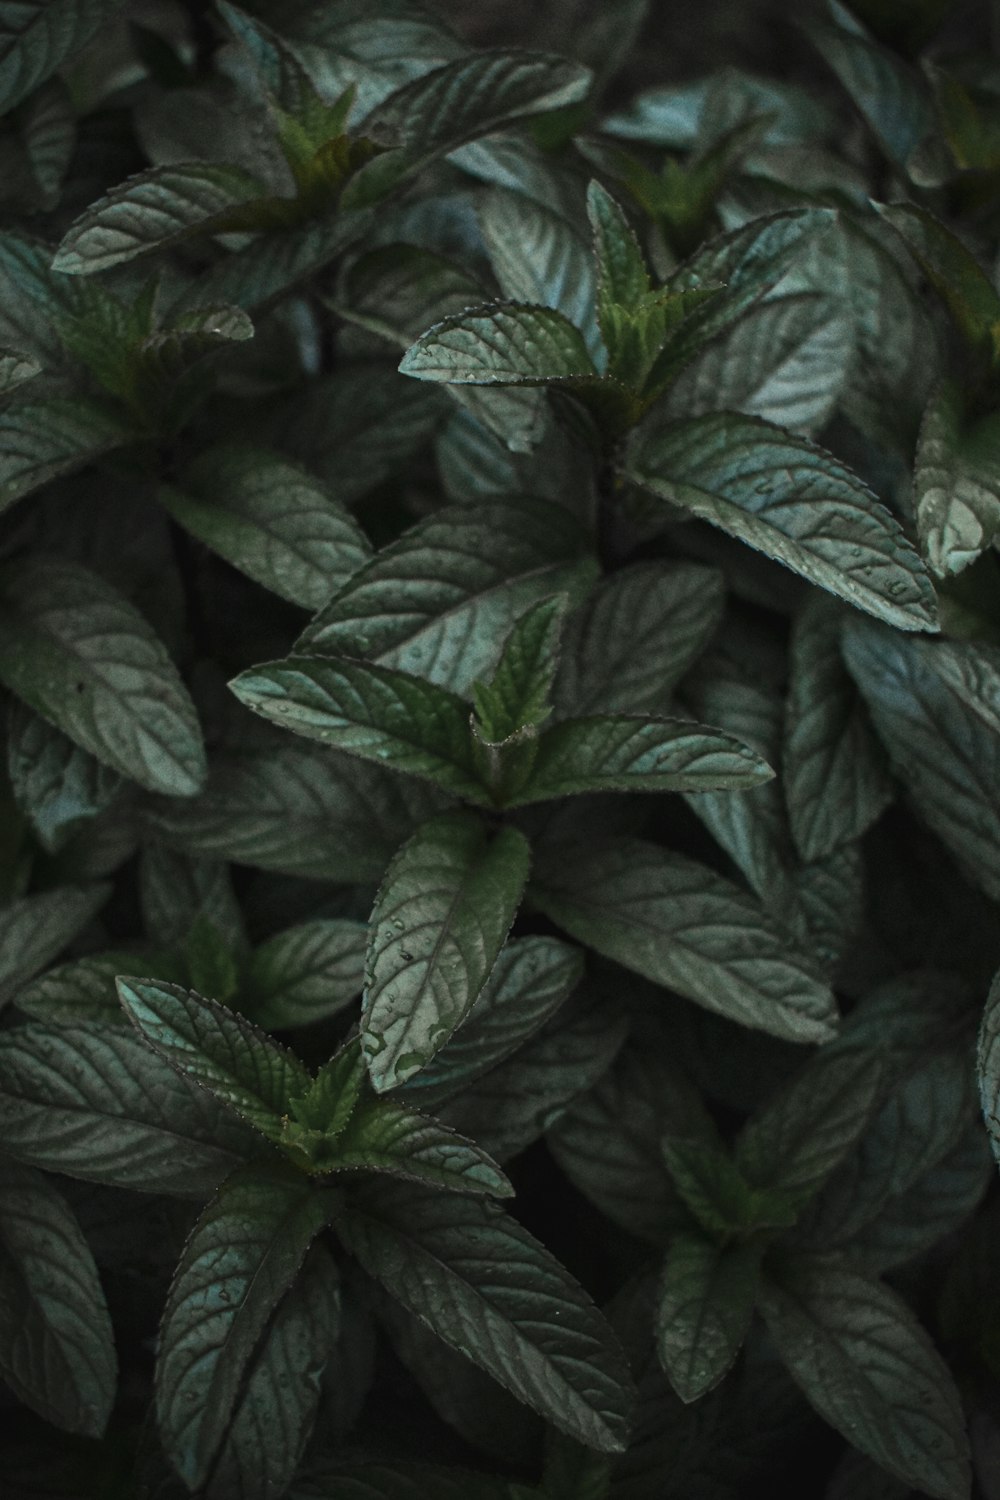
(78, 653)
(57, 1349)
(385, 1136)
(40, 440)
(681, 925)
(871, 1371)
(441, 916)
(377, 713)
(791, 500)
(950, 267)
(271, 520)
(487, 1287)
(500, 344)
(34, 930)
(936, 707)
(957, 482)
(305, 974)
(37, 36)
(152, 210)
(240, 1260)
(56, 784)
(84, 988)
(706, 1301)
(988, 1067)
(216, 1048)
(97, 1103)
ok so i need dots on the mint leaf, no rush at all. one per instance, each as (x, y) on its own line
(57, 1349)
(58, 786)
(680, 924)
(217, 1049)
(484, 1285)
(706, 1300)
(518, 694)
(792, 501)
(439, 921)
(271, 520)
(95, 1102)
(37, 37)
(305, 973)
(957, 481)
(243, 1255)
(35, 929)
(952, 270)
(41, 439)
(78, 653)
(870, 1370)
(383, 1135)
(84, 988)
(988, 1067)
(722, 1200)
(501, 344)
(376, 713)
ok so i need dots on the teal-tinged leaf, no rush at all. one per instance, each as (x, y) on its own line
(870, 1370)
(500, 344)
(683, 926)
(635, 636)
(241, 1259)
(35, 929)
(952, 270)
(49, 133)
(834, 772)
(15, 369)
(792, 501)
(384, 1136)
(95, 1102)
(59, 787)
(957, 481)
(988, 1067)
(269, 519)
(484, 1285)
(153, 210)
(440, 919)
(706, 1301)
(38, 36)
(891, 96)
(374, 712)
(84, 988)
(936, 708)
(633, 753)
(305, 973)
(440, 599)
(810, 1124)
(57, 1351)
(300, 809)
(530, 980)
(41, 439)
(397, 290)
(76, 651)
(179, 892)
(217, 1049)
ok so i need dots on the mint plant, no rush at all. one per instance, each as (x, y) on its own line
(500, 679)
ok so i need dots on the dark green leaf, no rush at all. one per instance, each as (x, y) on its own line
(34, 930)
(683, 926)
(500, 344)
(383, 1135)
(77, 652)
(706, 1301)
(957, 481)
(951, 269)
(304, 974)
(15, 369)
(792, 501)
(84, 989)
(722, 1200)
(988, 1067)
(95, 1102)
(485, 1285)
(271, 520)
(38, 36)
(518, 695)
(243, 1255)
(58, 786)
(892, 98)
(217, 1049)
(871, 1371)
(440, 919)
(44, 438)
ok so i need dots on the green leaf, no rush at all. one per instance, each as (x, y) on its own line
(297, 808)
(179, 892)
(484, 1285)
(717, 1193)
(438, 599)
(891, 96)
(395, 290)
(59, 787)
(792, 501)
(439, 921)
(15, 369)
(217, 1049)
(639, 631)
(623, 279)
(42, 439)
(243, 1255)
(95, 1102)
(376, 713)
(836, 784)
(38, 36)
(305, 974)
(500, 344)
(706, 1300)
(78, 653)
(957, 481)
(84, 988)
(518, 694)
(936, 708)
(952, 270)
(683, 926)
(271, 520)
(530, 980)
(35, 930)
(155, 209)
(637, 753)
(870, 1370)
(383, 1135)
(988, 1067)
(810, 1124)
